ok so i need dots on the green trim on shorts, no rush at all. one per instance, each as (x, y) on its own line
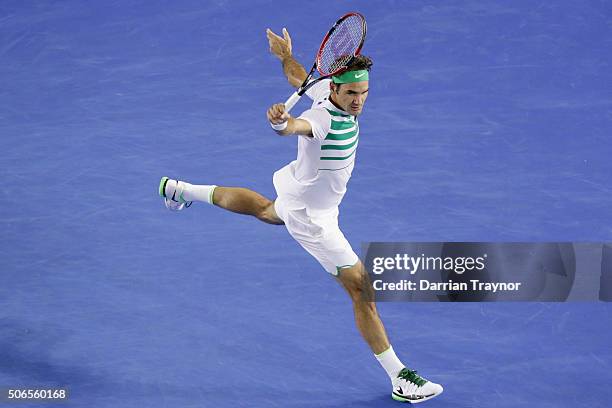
(338, 268)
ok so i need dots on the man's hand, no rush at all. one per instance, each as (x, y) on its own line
(277, 115)
(279, 46)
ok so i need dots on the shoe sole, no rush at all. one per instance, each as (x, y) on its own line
(162, 186)
(413, 401)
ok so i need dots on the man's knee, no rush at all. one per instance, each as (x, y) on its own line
(268, 214)
(356, 282)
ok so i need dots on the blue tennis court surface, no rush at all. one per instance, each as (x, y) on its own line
(486, 121)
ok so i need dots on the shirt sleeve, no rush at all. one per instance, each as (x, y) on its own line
(319, 120)
(319, 90)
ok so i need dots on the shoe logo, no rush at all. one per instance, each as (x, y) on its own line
(360, 75)
(399, 390)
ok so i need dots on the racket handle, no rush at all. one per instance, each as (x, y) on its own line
(292, 101)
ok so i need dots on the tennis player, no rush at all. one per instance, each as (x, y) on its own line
(309, 191)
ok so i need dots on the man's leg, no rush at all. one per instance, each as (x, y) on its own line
(408, 386)
(244, 201)
(356, 282)
(236, 199)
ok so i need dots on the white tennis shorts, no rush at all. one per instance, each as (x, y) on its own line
(319, 235)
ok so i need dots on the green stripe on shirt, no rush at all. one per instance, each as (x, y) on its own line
(342, 136)
(341, 125)
(340, 147)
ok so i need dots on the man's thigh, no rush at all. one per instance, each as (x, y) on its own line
(323, 240)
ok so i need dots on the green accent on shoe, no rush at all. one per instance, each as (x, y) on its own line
(411, 376)
(398, 398)
(414, 400)
(162, 186)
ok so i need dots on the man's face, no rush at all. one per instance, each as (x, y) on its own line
(350, 97)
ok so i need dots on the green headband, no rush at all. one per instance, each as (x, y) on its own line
(351, 76)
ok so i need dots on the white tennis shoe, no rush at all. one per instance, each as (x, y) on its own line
(408, 386)
(172, 192)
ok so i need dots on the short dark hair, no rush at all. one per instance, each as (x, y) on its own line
(360, 62)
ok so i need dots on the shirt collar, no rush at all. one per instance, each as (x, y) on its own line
(329, 105)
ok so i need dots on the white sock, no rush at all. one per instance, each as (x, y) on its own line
(389, 361)
(194, 192)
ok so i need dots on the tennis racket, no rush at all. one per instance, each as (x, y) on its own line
(341, 44)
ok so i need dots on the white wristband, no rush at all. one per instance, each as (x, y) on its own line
(280, 126)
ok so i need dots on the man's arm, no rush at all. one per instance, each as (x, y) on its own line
(281, 48)
(277, 116)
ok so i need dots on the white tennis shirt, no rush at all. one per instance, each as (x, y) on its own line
(317, 179)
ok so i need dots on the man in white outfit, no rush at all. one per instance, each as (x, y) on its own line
(309, 191)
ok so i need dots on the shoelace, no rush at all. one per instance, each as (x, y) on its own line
(411, 376)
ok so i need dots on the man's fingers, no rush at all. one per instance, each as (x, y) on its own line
(276, 114)
(287, 37)
(271, 35)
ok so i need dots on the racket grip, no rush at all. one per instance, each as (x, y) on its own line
(293, 99)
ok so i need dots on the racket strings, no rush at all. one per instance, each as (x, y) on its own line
(341, 45)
